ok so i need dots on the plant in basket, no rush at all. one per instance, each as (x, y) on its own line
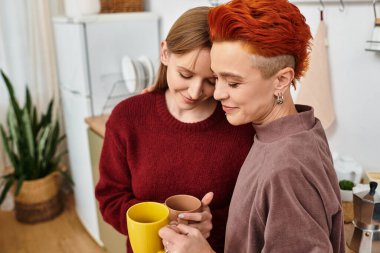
(31, 143)
(346, 189)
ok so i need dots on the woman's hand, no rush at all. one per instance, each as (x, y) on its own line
(184, 239)
(203, 219)
(148, 89)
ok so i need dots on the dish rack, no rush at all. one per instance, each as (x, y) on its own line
(135, 75)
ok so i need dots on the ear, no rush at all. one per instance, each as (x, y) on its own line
(164, 53)
(283, 80)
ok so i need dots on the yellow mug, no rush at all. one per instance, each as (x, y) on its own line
(144, 220)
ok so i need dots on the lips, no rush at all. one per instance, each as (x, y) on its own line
(228, 109)
(189, 100)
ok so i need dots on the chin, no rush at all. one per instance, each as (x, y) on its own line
(236, 122)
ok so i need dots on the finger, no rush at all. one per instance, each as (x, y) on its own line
(151, 88)
(198, 217)
(173, 222)
(191, 216)
(168, 234)
(204, 227)
(186, 230)
(206, 200)
(174, 227)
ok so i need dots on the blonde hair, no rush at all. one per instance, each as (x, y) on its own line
(189, 32)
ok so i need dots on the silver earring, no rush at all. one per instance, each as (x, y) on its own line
(279, 99)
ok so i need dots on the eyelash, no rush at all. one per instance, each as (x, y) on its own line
(233, 85)
(211, 83)
(185, 77)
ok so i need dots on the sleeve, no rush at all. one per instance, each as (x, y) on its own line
(114, 190)
(293, 215)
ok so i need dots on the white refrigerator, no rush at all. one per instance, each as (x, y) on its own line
(89, 54)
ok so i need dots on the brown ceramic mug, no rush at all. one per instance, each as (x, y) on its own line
(182, 203)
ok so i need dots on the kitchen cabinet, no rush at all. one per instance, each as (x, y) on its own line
(112, 240)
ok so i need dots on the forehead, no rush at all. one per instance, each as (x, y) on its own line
(230, 56)
(199, 57)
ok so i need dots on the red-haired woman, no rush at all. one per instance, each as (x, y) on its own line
(286, 198)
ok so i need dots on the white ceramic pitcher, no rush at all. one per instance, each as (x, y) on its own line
(348, 169)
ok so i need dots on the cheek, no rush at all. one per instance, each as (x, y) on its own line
(173, 79)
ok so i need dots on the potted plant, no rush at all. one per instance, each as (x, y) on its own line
(30, 142)
(346, 190)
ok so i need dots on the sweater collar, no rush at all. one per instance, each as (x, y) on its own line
(285, 126)
(171, 121)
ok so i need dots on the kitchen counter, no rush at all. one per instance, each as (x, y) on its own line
(97, 124)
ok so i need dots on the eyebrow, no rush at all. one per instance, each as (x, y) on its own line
(185, 69)
(230, 74)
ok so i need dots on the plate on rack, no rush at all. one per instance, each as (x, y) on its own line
(129, 73)
(149, 70)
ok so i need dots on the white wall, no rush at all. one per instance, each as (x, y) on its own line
(355, 73)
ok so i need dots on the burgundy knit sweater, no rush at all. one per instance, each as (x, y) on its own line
(148, 155)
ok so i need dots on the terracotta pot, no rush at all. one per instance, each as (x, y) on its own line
(39, 200)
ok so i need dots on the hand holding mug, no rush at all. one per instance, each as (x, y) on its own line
(184, 239)
(186, 209)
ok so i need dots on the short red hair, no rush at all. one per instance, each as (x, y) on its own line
(269, 27)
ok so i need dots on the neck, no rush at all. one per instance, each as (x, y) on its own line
(197, 114)
(280, 110)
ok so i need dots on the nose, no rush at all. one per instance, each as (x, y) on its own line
(195, 90)
(220, 92)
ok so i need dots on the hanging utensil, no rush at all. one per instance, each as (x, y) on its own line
(341, 7)
(374, 43)
(321, 9)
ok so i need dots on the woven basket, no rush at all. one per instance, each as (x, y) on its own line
(39, 200)
(108, 6)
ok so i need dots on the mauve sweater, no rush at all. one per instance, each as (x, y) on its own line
(287, 197)
(148, 155)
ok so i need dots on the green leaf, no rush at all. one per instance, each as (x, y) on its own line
(20, 181)
(47, 118)
(51, 147)
(8, 185)
(14, 128)
(28, 132)
(7, 148)
(41, 147)
(13, 100)
(28, 101)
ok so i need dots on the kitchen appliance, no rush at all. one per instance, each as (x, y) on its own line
(90, 52)
(366, 235)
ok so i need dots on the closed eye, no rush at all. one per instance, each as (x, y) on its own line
(233, 85)
(211, 81)
(185, 76)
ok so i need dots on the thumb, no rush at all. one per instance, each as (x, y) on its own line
(206, 200)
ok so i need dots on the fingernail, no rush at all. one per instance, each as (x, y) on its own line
(181, 216)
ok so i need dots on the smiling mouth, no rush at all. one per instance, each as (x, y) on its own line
(189, 100)
(228, 109)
